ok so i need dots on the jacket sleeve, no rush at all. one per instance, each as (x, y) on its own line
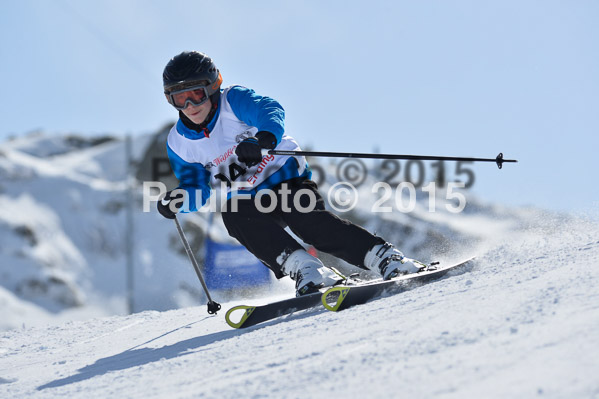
(262, 112)
(193, 178)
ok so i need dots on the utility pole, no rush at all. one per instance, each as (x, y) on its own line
(129, 227)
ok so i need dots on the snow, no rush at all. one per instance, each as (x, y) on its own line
(523, 322)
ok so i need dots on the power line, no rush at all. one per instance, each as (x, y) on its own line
(106, 40)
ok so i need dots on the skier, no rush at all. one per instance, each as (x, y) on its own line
(219, 139)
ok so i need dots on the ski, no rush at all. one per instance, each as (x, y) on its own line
(253, 315)
(345, 296)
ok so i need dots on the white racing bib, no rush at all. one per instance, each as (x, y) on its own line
(217, 152)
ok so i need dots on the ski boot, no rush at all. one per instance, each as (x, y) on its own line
(309, 273)
(390, 262)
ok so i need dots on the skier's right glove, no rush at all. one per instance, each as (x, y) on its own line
(249, 151)
(168, 207)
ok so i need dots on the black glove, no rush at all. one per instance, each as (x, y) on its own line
(164, 205)
(249, 151)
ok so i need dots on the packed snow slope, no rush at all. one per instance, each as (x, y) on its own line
(523, 323)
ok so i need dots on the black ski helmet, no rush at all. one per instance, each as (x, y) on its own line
(191, 68)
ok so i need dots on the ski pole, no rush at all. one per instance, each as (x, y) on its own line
(499, 160)
(213, 307)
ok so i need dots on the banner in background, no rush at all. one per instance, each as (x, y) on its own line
(230, 266)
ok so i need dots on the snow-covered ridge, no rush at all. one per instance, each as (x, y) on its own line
(60, 229)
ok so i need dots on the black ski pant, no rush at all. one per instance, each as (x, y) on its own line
(263, 234)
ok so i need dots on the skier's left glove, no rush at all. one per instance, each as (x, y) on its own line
(249, 151)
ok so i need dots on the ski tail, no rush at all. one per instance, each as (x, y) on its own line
(337, 294)
(248, 310)
(252, 315)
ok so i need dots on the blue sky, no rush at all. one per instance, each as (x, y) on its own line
(463, 78)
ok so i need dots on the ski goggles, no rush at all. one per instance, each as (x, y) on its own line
(195, 95)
